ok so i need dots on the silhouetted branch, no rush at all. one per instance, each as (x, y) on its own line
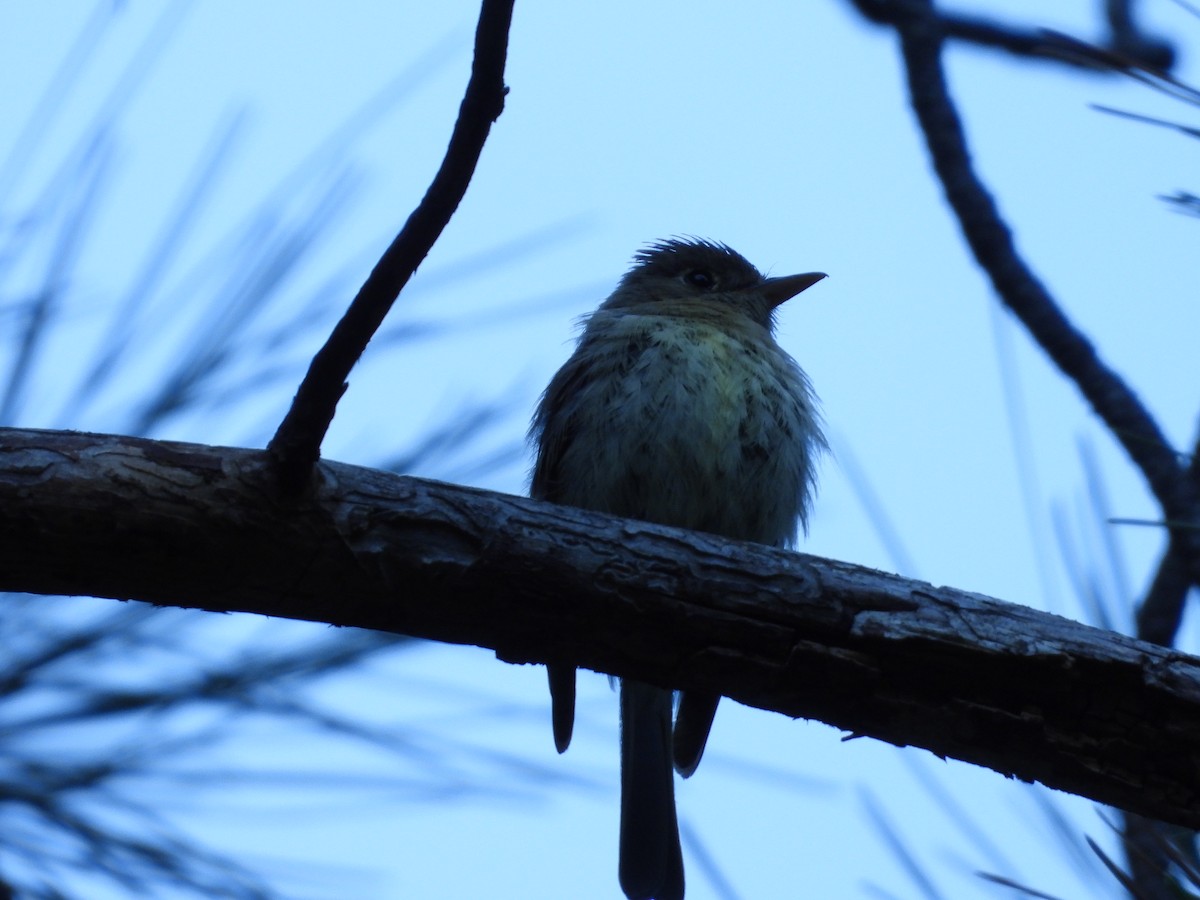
(1026, 693)
(1175, 489)
(1149, 845)
(1161, 610)
(1129, 46)
(296, 445)
(1021, 291)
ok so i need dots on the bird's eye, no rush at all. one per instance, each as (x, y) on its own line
(700, 278)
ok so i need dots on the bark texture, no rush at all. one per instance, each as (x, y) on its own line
(1025, 693)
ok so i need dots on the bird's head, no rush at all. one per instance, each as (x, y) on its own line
(689, 276)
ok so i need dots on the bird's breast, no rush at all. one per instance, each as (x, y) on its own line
(689, 424)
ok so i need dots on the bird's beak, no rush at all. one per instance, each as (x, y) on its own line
(777, 290)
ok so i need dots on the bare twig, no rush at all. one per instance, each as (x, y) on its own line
(296, 445)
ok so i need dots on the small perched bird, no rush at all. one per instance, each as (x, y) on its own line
(677, 407)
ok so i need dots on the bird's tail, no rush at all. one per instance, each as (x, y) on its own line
(651, 866)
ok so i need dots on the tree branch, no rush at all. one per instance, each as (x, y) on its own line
(1021, 291)
(922, 30)
(1025, 693)
(296, 445)
(1161, 610)
(1128, 45)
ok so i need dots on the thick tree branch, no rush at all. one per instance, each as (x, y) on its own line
(297, 443)
(1025, 693)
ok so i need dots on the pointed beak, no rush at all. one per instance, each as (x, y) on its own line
(777, 290)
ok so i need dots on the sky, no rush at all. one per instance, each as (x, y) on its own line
(780, 129)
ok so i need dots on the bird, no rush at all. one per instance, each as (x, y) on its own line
(677, 407)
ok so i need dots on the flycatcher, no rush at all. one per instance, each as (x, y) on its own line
(677, 407)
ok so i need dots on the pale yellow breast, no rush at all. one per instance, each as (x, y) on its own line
(688, 423)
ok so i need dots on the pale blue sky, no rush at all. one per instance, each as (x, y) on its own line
(781, 129)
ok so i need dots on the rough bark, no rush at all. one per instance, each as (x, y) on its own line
(1026, 693)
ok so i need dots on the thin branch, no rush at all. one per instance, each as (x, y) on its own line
(1149, 844)
(1021, 291)
(1026, 693)
(1129, 46)
(1129, 422)
(1161, 610)
(296, 445)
